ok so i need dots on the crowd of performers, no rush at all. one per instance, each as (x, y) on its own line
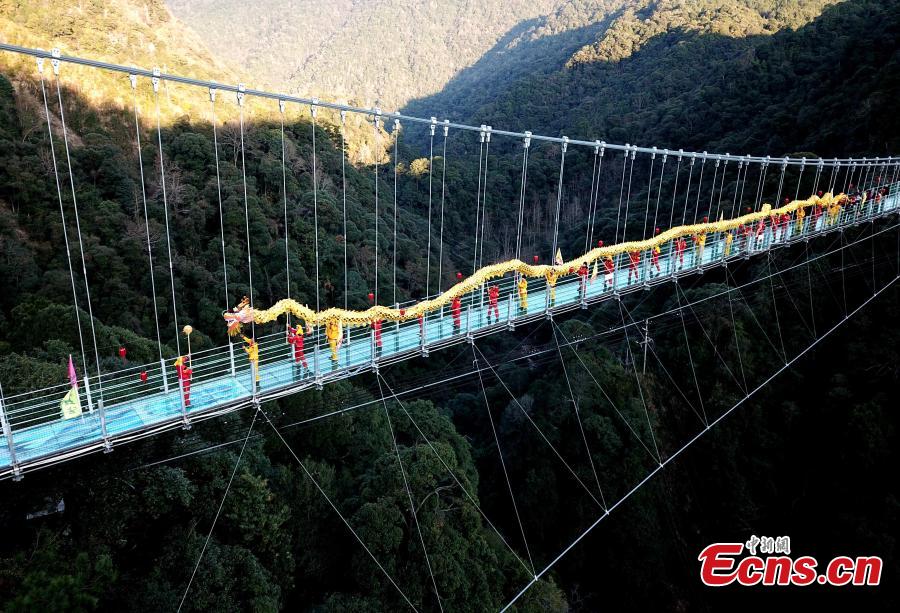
(641, 266)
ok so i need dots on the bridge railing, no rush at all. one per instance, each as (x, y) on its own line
(223, 374)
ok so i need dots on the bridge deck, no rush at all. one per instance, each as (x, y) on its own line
(222, 381)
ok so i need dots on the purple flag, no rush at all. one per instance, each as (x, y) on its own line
(73, 377)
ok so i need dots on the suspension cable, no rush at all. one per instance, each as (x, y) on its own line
(212, 527)
(137, 134)
(315, 178)
(376, 121)
(62, 213)
(590, 211)
(601, 146)
(396, 162)
(430, 178)
(649, 192)
(687, 194)
(700, 187)
(526, 146)
(212, 105)
(344, 192)
(443, 196)
(487, 151)
(333, 506)
(712, 191)
(412, 506)
(162, 181)
(559, 191)
(478, 198)
(675, 189)
(240, 100)
(628, 195)
(287, 256)
(621, 190)
(662, 174)
(87, 288)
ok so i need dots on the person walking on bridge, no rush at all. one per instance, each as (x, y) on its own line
(333, 334)
(493, 292)
(583, 273)
(634, 260)
(455, 310)
(680, 246)
(522, 286)
(609, 271)
(295, 339)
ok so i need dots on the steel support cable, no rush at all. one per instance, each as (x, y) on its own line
(455, 478)
(430, 181)
(512, 496)
(412, 505)
(65, 231)
(675, 192)
(212, 527)
(712, 191)
(628, 196)
(478, 200)
(625, 155)
(376, 123)
(287, 257)
(559, 191)
(526, 145)
(699, 189)
(687, 344)
(719, 210)
(763, 171)
(702, 419)
(587, 447)
(344, 193)
(39, 53)
(681, 449)
(87, 288)
(396, 161)
(440, 287)
(637, 380)
(662, 174)
(315, 178)
(571, 346)
(750, 310)
(532, 422)
(487, 151)
(162, 183)
(596, 194)
(590, 212)
(744, 182)
(800, 180)
(649, 194)
(137, 134)
(687, 193)
(708, 338)
(336, 510)
(780, 185)
(737, 202)
(212, 104)
(240, 99)
(788, 293)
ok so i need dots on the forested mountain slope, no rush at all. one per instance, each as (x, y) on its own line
(375, 52)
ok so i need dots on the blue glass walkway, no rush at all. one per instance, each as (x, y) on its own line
(120, 407)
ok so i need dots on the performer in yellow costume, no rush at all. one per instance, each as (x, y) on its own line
(523, 293)
(333, 334)
(252, 350)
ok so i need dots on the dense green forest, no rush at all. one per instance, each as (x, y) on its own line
(804, 456)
